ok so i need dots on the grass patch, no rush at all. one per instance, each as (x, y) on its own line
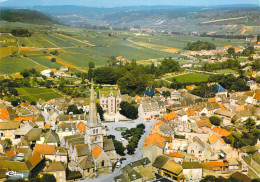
(34, 94)
(191, 77)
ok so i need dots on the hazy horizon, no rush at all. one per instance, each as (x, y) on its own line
(121, 3)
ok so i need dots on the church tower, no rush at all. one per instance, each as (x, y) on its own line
(94, 131)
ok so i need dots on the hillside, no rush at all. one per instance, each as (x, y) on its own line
(25, 16)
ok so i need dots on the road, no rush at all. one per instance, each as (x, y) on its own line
(129, 158)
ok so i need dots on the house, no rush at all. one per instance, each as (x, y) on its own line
(57, 169)
(140, 170)
(47, 151)
(150, 109)
(52, 138)
(86, 166)
(215, 165)
(216, 142)
(153, 146)
(23, 168)
(110, 101)
(192, 171)
(150, 92)
(233, 164)
(201, 150)
(168, 168)
(220, 90)
(8, 128)
(225, 115)
(256, 98)
(176, 157)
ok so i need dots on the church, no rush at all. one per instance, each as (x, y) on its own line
(90, 153)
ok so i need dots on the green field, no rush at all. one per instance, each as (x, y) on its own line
(11, 65)
(191, 77)
(34, 94)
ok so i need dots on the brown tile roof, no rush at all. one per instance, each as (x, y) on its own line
(205, 122)
(96, 151)
(82, 149)
(44, 149)
(257, 96)
(55, 166)
(9, 125)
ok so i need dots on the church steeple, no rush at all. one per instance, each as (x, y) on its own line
(93, 118)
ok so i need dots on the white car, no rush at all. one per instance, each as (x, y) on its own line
(118, 164)
(121, 139)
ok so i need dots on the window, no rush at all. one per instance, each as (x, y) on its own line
(95, 139)
(94, 131)
(60, 174)
(192, 151)
(88, 170)
(103, 163)
(200, 152)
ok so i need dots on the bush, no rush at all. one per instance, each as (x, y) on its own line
(215, 120)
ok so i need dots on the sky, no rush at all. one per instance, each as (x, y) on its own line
(119, 3)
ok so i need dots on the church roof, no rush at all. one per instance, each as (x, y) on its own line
(96, 151)
(86, 162)
(82, 149)
(108, 145)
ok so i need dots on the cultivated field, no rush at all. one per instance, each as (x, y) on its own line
(34, 94)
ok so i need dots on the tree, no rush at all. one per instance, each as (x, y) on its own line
(53, 59)
(120, 149)
(8, 141)
(128, 110)
(100, 111)
(48, 178)
(33, 103)
(231, 50)
(91, 64)
(215, 120)
(142, 126)
(166, 94)
(258, 38)
(130, 148)
(250, 124)
(74, 109)
(52, 74)
(14, 103)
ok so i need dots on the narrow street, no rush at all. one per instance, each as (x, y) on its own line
(129, 158)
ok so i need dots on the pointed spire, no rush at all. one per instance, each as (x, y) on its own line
(93, 119)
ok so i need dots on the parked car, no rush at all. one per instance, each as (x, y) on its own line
(121, 139)
(118, 164)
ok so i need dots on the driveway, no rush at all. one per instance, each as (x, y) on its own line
(129, 158)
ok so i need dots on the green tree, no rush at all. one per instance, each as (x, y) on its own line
(258, 38)
(231, 50)
(14, 103)
(100, 111)
(215, 120)
(48, 178)
(130, 148)
(53, 59)
(250, 124)
(128, 110)
(74, 109)
(120, 149)
(8, 141)
(166, 94)
(33, 103)
(91, 65)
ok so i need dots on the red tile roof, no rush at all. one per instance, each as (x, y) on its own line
(221, 131)
(96, 151)
(214, 138)
(154, 139)
(170, 116)
(257, 96)
(175, 154)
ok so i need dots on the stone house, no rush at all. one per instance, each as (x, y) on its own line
(57, 169)
(110, 101)
(192, 171)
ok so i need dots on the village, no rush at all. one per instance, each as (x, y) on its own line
(186, 137)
